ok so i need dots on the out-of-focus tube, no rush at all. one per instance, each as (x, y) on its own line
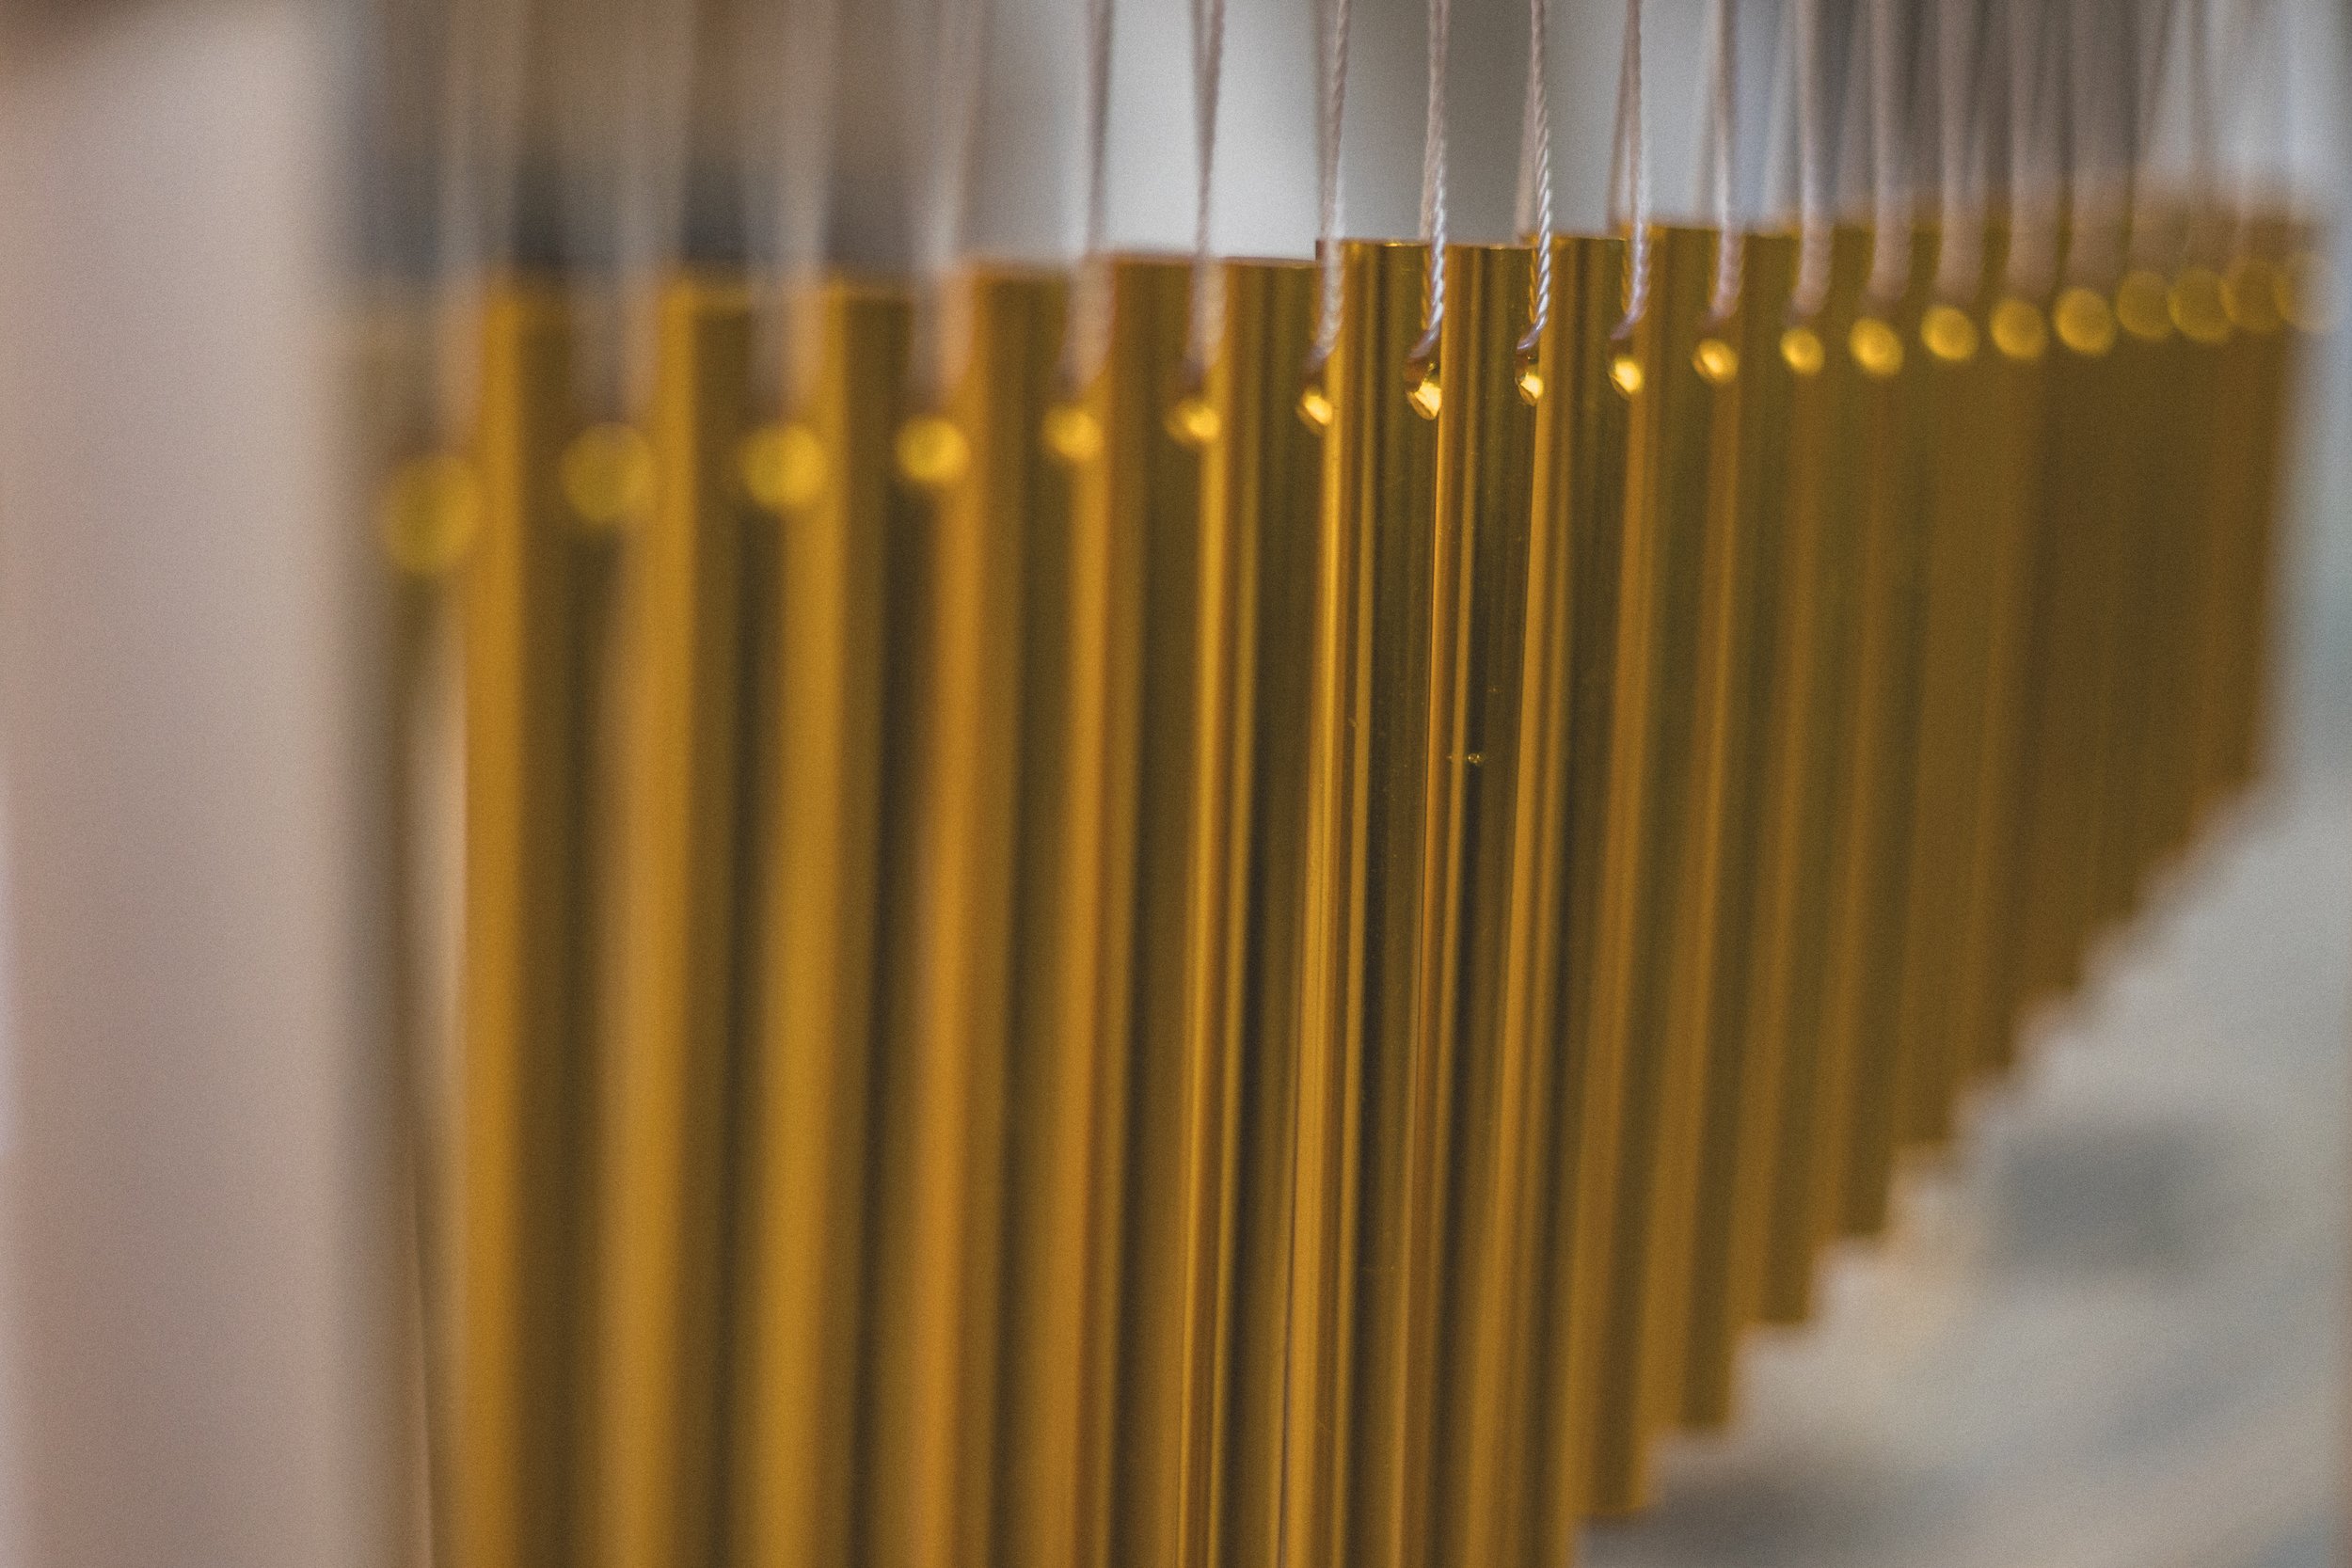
(664, 1121)
(536, 608)
(1749, 497)
(825, 788)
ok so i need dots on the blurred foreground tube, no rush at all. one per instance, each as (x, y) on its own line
(184, 597)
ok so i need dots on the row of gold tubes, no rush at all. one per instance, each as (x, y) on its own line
(1047, 984)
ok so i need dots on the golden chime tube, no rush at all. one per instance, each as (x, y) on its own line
(1258, 539)
(1961, 595)
(976, 835)
(1813, 676)
(1005, 400)
(1988, 952)
(2257, 364)
(1477, 1129)
(1860, 1047)
(662, 1128)
(2134, 630)
(1575, 543)
(1748, 496)
(2067, 664)
(826, 781)
(2179, 462)
(1649, 826)
(1136, 523)
(1367, 775)
(535, 593)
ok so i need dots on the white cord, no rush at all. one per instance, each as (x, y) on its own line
(1533, 206)
(1208, 282)
(1811, 291)
(1722, 108)
(1890, 245)
(1332, 17)
(1433, 168)
(1629, 194)
(1959, 95)
(1088, 340)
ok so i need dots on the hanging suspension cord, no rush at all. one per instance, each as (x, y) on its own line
(2265, 27)
(2036, 61)
(2094, 239)
(657, 94)
(1775, 173)
(1723, 109)
(947, 87)
(480, 129)
(1629, 184)
(2195, 242)
(1962, 85)
(1811, 291)
(1088, 340)
(1331, 17)
(1533, 208)
(1433, 162)
(1891, 217)
(2154, 67)
(791, 114)
(1208, 282)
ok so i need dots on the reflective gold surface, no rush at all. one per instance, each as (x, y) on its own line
(1367, 778)
(535, 597)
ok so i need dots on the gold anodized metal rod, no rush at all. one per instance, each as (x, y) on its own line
(1960, 591)
(1136, 511)
(1478, 1298)
(1990, 954)
(1257, 581)
(1749, 495)
(535, 607)
(663, 1126)
(978, 460)
(1576, 539)
(1649, 809)
(802, 1432)
(1862, 1044)
(1367, 771)
(1813, 678)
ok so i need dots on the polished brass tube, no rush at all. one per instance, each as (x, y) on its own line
(1748, 499)
(1860, 1044)
(1136, 523)
(980, 462)
(1258, 559)
(1643, 902)
(534, 608)
(1575, 1079)
(1367, 774)
(1961, 591)
(2067, 669)
(662, 1124)
(1814, 672)
(1479, 1128)
(1990, 952)
(829, 782)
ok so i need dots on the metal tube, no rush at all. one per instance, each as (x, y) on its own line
(536, 620)
(1643, 903)
(1748, 518)
(662, 1125)
(1259, 506)
(824, 791)
(1367, 772)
